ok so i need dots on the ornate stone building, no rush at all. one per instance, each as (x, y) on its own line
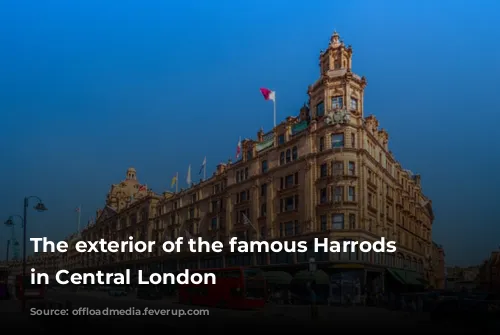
(128, 212)
(325, 173)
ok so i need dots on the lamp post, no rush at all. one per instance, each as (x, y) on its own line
(10, 223)
(40, 207)
(7, 251)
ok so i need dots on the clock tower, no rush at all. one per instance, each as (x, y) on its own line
(338, 88)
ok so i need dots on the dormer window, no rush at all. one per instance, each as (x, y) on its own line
(320, 109)
(354, 104)
(281, 139)
(337, 102)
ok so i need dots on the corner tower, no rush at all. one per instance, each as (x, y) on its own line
(338, 88)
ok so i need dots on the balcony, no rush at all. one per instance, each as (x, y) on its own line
(371, 184)
(288, 189)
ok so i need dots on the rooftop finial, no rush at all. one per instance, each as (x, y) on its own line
(335, 39)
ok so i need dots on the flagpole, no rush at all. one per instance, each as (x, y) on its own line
(78, 219)
(177, 183)
(205, 169)
(274, 110)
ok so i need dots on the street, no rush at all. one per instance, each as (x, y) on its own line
(11, 315)
(295, 317)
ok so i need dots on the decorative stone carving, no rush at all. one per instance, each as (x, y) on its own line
(310, 165)
(337, 117)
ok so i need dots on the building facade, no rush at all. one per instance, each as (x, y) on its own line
(489, 273)
(439, 273)
(327, 173)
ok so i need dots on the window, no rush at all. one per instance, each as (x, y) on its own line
(354, 104)
(323, 196)
(351, 170)
(353, 140)
(320, 109)
(351, 195)
(289, 203)
(337, 102)
(370, 199)
(263, 210)
(289, 228)
(291, 180)
(338, 221)
(337, 140)
(295, 153)
(338, 194)
(242, 196)
(352, 221)
(193, 197)
(322, 220)
(282, 158)
(264, 166)
(213, 224)
(191, 213)
(249, 155)
(323, 170)
(321, 143)
(263, 190)
(281, 139)
(288, 156)
(338, 168)
(242, 175)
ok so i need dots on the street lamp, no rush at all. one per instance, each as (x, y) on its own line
(10, 223)
(40, 207)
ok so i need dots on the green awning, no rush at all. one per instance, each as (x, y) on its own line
(319, 276)
(397, 274)
(414, 278)
(407, 277)
(278, 277)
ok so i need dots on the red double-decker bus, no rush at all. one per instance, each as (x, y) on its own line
(235, 288)
(25, 289)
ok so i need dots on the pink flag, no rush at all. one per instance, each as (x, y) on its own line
(268, 94)
(142, 188)
(238, 149)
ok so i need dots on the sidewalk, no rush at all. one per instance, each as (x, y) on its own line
(22, 321)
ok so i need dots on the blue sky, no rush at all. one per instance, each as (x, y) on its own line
(89, 88)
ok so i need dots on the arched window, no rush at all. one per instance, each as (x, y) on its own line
(288, 156)
(295, 153)
(407, 264)
(282, 158)
(399, 261)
